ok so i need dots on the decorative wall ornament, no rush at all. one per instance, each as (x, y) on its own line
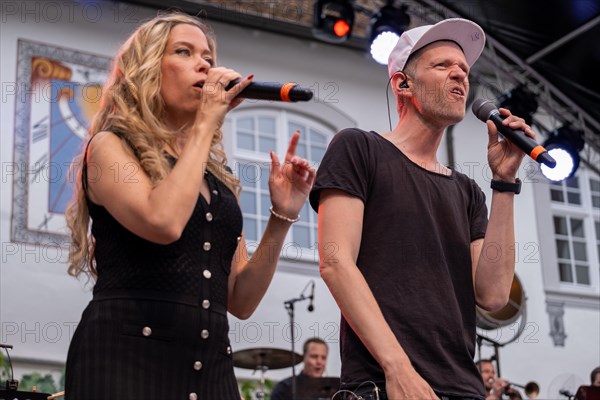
(58, 92)
(556, 311)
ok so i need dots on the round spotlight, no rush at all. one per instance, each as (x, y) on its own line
(385, 29)
(565, 164)
(564, 145)
(382, 46)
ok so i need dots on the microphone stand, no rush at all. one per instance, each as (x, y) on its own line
(289, 306)
(11, 384)
(479, 339)
(567, 394)
(496, 352)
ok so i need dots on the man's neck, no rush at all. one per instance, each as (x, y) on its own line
(419, 142)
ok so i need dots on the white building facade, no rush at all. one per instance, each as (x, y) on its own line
(557, 226)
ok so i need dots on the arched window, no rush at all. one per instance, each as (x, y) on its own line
(250, 133)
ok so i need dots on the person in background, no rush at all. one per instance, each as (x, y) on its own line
(495, 387)
(315, 352)
(595, 377)
(591, 392)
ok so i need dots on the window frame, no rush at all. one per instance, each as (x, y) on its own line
(593, 192)
(316, 114)
(571, 294)
(566, 190)
(571, 239)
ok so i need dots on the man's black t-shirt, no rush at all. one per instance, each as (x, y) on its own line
(415, 255)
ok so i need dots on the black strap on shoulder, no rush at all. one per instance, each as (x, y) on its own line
(84, 174)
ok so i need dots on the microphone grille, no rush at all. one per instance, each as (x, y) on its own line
(483, 108)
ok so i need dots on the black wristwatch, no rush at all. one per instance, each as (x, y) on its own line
(502, 186)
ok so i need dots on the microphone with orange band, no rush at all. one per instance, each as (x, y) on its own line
(289, 91)
(485, 109)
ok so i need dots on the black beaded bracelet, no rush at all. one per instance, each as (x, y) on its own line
(502, 186)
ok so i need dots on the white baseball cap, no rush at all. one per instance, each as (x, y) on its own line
(467, 34)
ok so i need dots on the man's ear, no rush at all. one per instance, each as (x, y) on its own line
(399, 81)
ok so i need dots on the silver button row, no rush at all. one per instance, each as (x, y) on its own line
(147, 331)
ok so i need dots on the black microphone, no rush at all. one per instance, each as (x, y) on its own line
(485, 109)
(288, 91)
(311, 306)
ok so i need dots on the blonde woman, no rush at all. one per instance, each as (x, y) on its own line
(166, 248)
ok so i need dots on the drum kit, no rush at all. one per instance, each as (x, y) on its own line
(264, 359)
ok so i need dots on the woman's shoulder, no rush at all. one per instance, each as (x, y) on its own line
(106, 141)
(104, 138)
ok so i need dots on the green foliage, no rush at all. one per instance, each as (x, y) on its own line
(43, 384)
(4, 368)
(249, 389)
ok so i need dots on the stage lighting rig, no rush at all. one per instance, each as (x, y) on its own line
(386, 27)
(564, 145)
(521, 102)
(333, 20)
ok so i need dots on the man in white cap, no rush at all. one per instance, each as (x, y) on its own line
(400, 235)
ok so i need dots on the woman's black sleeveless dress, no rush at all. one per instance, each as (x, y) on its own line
(157, 327)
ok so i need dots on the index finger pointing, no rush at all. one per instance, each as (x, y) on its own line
(291, 151)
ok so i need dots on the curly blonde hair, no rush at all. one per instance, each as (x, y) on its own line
(131, 105)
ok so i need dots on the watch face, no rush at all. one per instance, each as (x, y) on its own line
(58, 93)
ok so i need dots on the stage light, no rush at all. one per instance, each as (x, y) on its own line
(564, 145)
(341, 28)
(333, 20)
(385, 29)
(521, 102)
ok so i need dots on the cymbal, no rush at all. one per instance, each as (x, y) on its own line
(313, 388)
(264, 357)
